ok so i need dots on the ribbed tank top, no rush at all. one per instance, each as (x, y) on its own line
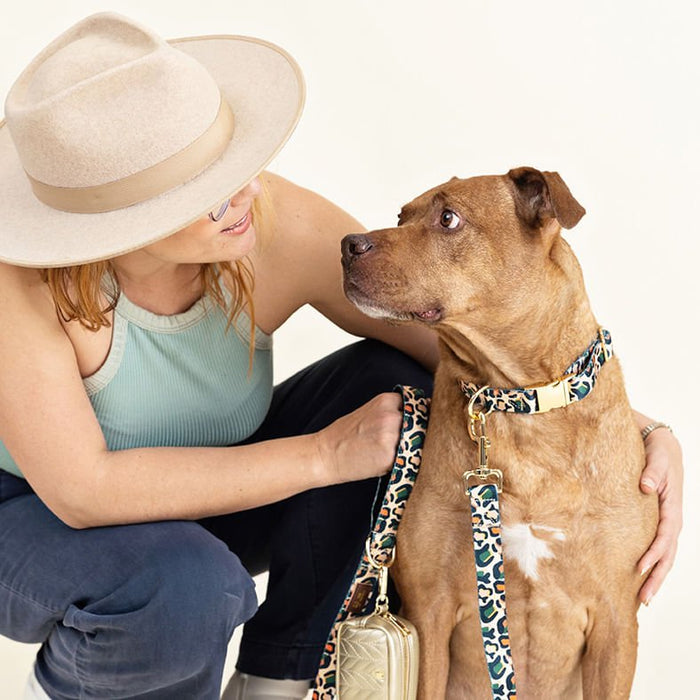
(178, 380)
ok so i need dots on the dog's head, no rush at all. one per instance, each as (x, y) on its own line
(464, 246)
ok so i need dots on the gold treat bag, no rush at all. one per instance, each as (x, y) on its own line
(377, 655)
(377, 658)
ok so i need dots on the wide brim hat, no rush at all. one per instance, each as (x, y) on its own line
(115, 138)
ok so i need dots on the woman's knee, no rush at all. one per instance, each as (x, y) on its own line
(170, 620)
(194, 586)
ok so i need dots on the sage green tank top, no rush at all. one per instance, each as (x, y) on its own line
(178, 380)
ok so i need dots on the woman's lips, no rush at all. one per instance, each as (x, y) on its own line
(241, 226)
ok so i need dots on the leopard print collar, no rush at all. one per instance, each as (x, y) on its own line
(576, 383)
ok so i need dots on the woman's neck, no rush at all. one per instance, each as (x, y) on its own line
(162, 287)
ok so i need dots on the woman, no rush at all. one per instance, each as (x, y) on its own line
(148, 468)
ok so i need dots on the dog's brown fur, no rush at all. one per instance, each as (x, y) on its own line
(505, 294)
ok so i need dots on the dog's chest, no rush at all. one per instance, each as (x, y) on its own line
(543, 513)
(545, 499)
(531, 545)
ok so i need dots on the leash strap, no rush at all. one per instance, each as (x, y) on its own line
(491, 588)
(575, 384)
(383, 537)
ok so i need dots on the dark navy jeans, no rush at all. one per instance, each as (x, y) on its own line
(146, 610)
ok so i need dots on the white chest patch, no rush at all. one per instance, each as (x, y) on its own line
(527, 543)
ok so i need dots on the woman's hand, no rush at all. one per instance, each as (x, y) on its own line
(663, 474)
(362, 444)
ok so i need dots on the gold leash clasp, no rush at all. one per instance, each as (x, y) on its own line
(483, 474)
(382, 602)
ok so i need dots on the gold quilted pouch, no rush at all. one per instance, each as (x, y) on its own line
(377, 658)
(377, 654)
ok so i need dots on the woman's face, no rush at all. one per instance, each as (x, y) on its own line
(204, 241)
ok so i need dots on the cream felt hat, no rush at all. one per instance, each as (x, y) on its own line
(115, 138)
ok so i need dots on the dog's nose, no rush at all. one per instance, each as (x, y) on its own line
(355, 245)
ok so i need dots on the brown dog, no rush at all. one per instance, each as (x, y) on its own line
(482, 261)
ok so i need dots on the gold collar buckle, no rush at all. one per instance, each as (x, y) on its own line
(555, 394)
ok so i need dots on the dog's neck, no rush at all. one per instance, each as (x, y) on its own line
(523, 343)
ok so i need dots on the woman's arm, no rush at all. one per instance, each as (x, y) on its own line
(48, 425)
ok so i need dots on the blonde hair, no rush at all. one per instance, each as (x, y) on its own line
(78, 290)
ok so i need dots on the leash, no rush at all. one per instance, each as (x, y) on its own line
(483, 485)
(379, 551)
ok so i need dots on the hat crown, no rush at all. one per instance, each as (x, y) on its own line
(88, 50)
(106, 99)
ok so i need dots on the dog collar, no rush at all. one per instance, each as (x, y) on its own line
(576, 383)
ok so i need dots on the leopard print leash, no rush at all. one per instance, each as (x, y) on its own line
(488, 556)
(383, 536)
(491, 589)
(483, 485)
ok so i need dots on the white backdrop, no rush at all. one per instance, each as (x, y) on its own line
(404, 94)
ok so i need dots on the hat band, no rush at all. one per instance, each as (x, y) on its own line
(145, 184)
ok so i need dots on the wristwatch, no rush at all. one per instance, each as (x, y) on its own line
(648, 429)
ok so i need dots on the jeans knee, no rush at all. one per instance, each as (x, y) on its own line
(201, 593)
(172, 620)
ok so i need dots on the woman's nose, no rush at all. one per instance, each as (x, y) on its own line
(251, 190)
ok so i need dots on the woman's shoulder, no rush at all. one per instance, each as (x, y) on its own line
(22, 288)
(288, 211)
(27, 313)
(301, 206)
(13, 274)
(298, 258)
(283, 192)
(304, 223)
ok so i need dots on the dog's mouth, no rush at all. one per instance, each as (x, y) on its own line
(376, 309)
(429, 316)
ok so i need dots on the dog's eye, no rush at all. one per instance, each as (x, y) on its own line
(448, 219)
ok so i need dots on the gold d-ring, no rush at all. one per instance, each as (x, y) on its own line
(474, 417)
(470, 405)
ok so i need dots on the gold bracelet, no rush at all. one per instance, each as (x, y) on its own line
(647, 430)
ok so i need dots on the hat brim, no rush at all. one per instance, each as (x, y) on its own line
(264, 86)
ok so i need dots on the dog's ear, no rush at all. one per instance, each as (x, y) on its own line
(542, 195)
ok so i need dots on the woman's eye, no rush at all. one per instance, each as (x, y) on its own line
(448, 219)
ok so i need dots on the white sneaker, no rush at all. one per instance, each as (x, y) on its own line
(33, 691)
(243, 686)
